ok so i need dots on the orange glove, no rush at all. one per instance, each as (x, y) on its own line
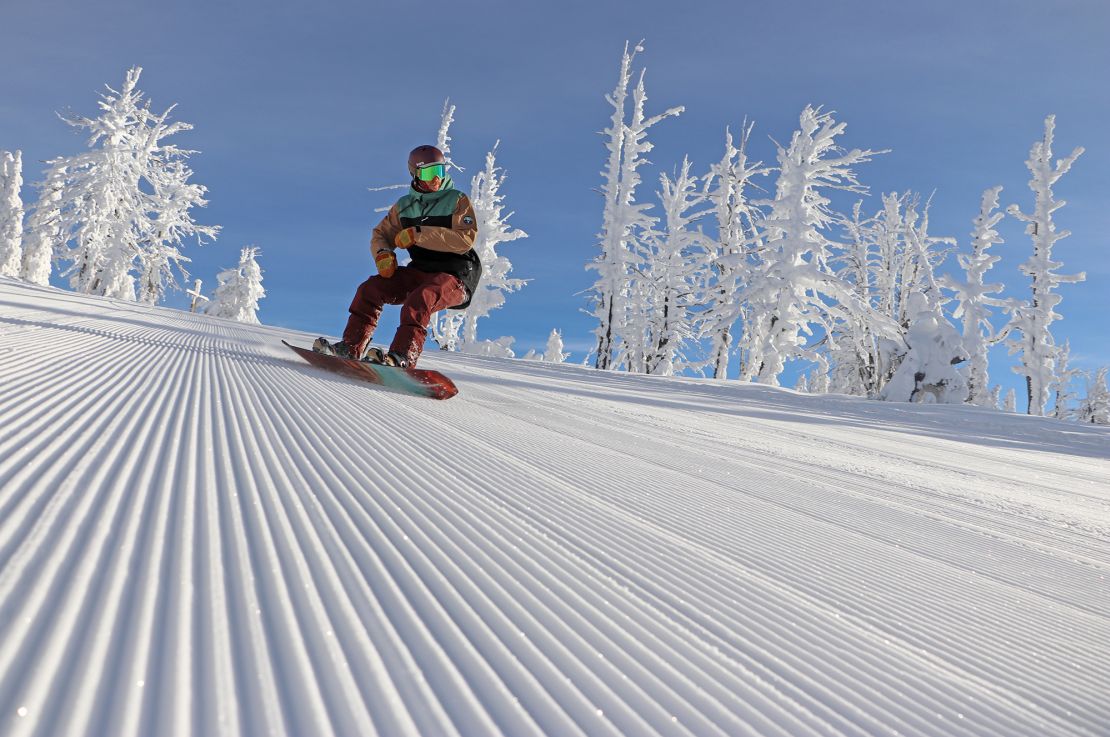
(386, 263)
(405, 238)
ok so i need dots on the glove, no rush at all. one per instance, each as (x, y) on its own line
(405, 238)
(386, 263)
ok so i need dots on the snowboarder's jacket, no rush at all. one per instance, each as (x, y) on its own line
(445, 231)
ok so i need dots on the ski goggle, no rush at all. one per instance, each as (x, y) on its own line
(430, 172)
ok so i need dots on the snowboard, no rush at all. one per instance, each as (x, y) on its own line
(419, 382)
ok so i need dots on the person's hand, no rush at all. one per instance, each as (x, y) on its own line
(386, 263)
(405, 238)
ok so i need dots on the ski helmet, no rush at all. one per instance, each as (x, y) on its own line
(423, 156)
(428, 168)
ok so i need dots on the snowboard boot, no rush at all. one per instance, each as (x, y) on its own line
(395, 359)
(378, 356)
(339, 349)
(374, 355)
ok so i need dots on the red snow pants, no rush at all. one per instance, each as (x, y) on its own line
(420, 294)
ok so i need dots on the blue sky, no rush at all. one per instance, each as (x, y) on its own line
(299, 108)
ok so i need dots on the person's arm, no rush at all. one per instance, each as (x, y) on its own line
(459, 238)
(385, 232)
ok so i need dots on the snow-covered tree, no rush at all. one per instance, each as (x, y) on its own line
(929, 371)
(125, 202)
(11, 214)
(1010, 403)
(888, 258)
(853, 350)
(493, 230)
(918, 280)
(732, 255)
(792, 289)
(1033, 318)
(44, 229)
(553, 353)
(664, 287)
(239, 289)
(974, 298)
(1095, 406)
(802, 384)
(872, 263)
(623, 219)
(611, 263)
(1062, 380)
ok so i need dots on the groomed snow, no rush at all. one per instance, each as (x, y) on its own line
(202, 535)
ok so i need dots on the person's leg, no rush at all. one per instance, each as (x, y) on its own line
(434, 293)
(366, 307)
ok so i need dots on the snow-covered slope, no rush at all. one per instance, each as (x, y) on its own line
(202, 535)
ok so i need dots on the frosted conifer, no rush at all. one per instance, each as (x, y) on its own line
(736, 247)
(853, 348)
(553, 353)
(1033, 318)
(622, 220)
(11, 214)
(124, 203)
(793, 289)
(974, 298)
(660, 321)
(239, 290)
(44, 229)
(493, 230)
(1095, 406)
(1063, 377)
(890, 257)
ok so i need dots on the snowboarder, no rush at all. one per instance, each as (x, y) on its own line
(436, 223)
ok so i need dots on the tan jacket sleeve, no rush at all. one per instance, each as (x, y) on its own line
(385, 232)
(459, 238)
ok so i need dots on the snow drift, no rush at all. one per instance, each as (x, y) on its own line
(202, 535)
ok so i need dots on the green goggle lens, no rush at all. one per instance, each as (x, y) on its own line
(428, 173)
